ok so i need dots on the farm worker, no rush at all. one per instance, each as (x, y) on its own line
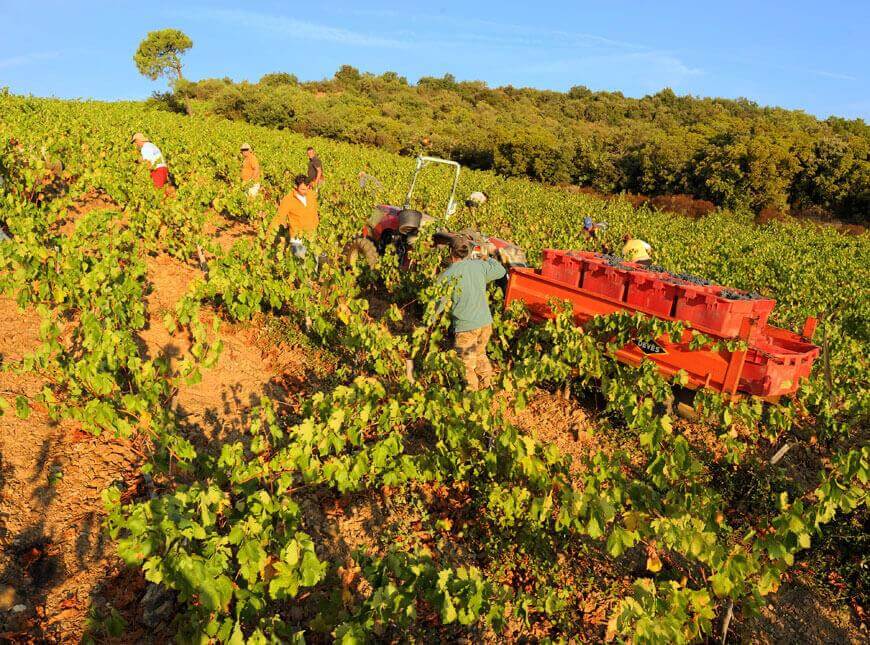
(250, 170)
(315, 169)
(298, 213)
(152, 154)
(591, 228)
(369, 181)
(475, 199)
(471, 318)
(636, 250)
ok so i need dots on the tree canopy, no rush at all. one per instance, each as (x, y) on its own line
(159, 54)
(731, 152)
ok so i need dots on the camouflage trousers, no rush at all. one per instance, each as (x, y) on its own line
(471, 348)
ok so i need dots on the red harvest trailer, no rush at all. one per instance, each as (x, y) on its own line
(773, 364)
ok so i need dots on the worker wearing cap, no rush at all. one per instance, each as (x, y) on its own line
(477, 198)
(471, 318)
(250, 170)
(591, 228)
(297, 212)
(152, 154)
(636, 250)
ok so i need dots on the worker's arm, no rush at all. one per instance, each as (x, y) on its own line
(493, 270)
(319, 177)
(281, 216)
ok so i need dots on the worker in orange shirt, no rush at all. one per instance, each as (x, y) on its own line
(250, 170)
(297, 214)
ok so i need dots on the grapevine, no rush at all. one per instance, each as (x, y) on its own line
(227, 532)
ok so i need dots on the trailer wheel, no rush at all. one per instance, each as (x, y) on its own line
(683, 404)
(686, 411)
(363, 249)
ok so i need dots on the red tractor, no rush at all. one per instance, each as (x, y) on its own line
(400, 227)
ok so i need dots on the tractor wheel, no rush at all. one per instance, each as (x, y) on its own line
(361, 248)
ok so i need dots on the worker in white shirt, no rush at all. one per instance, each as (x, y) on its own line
(152, 154)
(477, 198)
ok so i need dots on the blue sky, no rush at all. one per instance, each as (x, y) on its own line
(813, 56)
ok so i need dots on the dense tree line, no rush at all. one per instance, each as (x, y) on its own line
(734, 153)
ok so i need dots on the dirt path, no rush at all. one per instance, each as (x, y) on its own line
(56, 564)
(802, 611)
(53, 554)
(247, 369)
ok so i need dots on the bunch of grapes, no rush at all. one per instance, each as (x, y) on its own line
(691, 279)
(612, 260)
(739, 295)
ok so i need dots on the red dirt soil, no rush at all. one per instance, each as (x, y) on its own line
(54, 559)
(53, 554)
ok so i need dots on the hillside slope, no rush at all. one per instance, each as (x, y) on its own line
(278, 474)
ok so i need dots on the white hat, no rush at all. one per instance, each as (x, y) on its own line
(246, 146)
(138, 137)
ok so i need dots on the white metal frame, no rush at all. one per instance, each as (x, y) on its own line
(422, 162)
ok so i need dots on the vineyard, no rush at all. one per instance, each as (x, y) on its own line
(208, 439)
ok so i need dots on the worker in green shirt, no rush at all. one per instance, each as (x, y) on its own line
(471, 318)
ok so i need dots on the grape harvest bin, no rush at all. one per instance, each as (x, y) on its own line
(774, 363)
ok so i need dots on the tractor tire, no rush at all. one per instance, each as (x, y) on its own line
(361, 248)
(409, 220)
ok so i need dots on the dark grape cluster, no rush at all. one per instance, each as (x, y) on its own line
(691, 279)
(679, 278)
(739, 295)
(612, 260)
